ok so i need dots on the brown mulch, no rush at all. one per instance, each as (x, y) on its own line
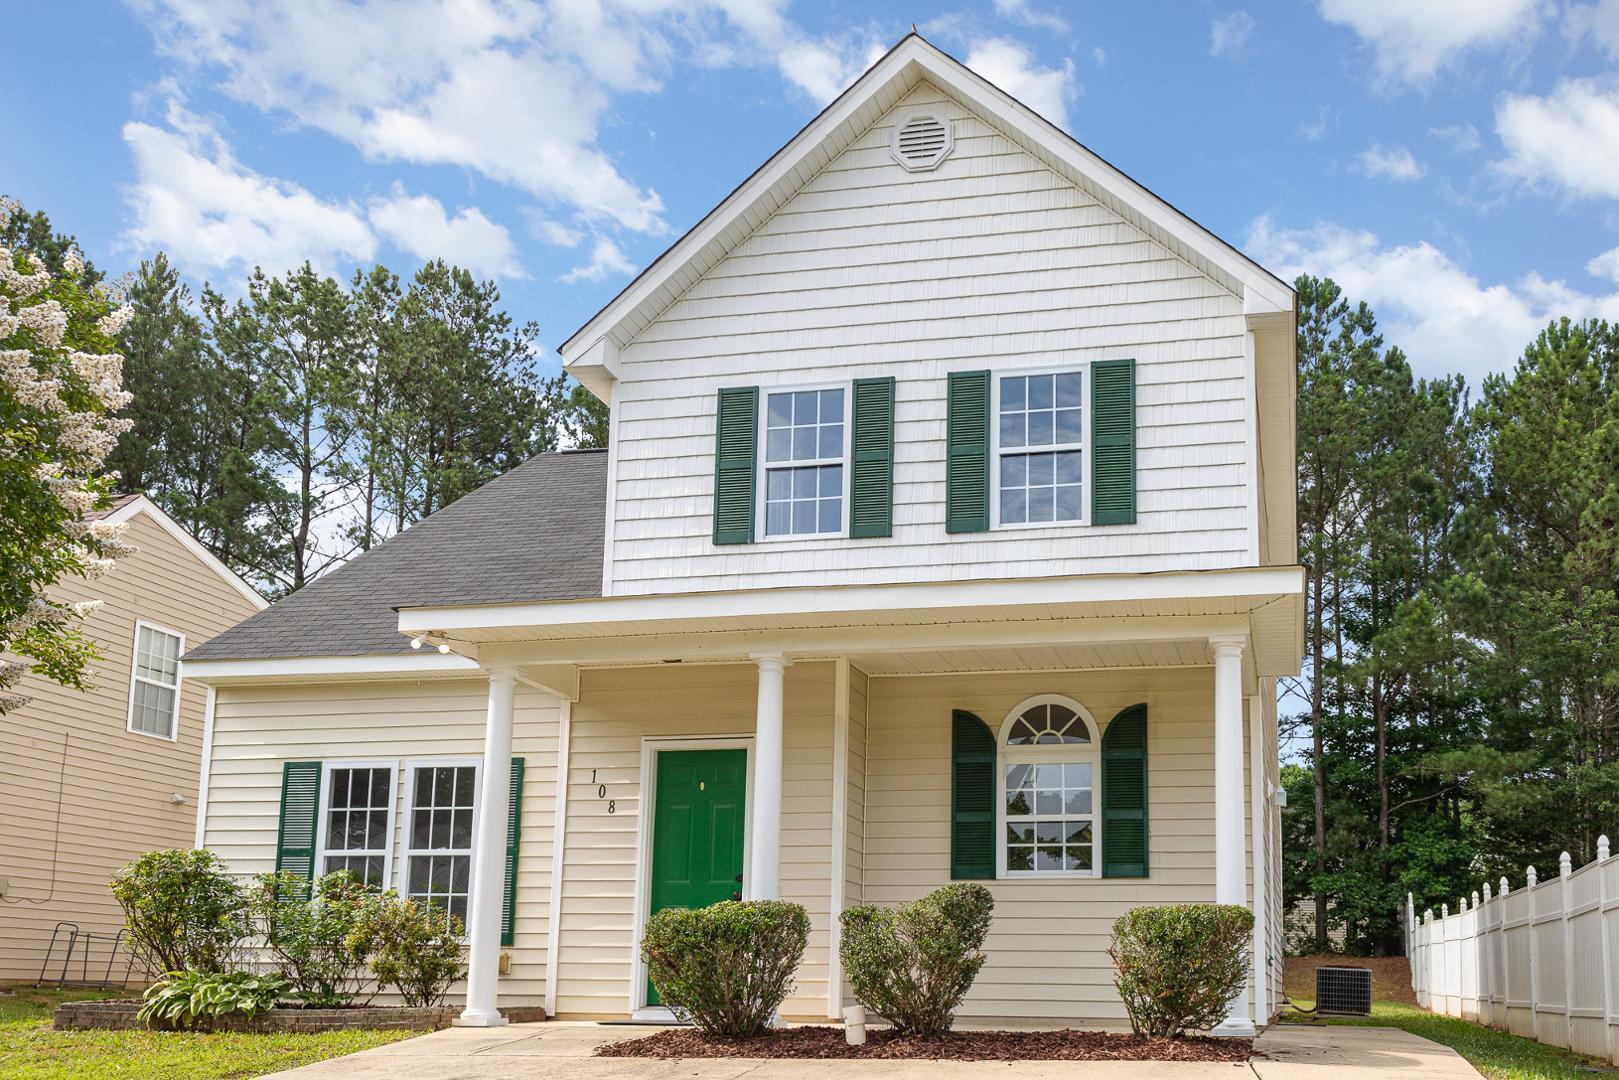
(1391, 975)
(829, 1042)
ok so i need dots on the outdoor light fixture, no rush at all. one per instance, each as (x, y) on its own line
(443, 647)
(416, 642)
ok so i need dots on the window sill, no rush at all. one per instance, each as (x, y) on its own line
(1039, 526)
(780, 538)
(154, 735)
(1049, 875)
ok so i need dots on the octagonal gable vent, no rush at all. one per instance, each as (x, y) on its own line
(922, 140)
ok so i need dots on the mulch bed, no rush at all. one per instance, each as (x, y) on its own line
(829, 1042)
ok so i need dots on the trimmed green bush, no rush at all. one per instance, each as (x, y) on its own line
(319, 939)
(182, 910)
(1180, 964)
(418, 948)
(181, 998)
(726, 968)
(914, 965)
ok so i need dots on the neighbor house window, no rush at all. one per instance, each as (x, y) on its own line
(804, 459)
(154, 692)
(439, 834)
(357, 822)
(1039, 447)
(1048, 766)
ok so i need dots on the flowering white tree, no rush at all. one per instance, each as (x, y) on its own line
(60, 384)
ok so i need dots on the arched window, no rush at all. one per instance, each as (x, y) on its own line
(1047, 786)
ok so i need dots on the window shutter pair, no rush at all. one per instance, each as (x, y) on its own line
(300, 810)
(1112, 449)
(871, 476)
(1124, 834)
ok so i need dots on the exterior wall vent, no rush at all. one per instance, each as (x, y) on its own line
(922, 140)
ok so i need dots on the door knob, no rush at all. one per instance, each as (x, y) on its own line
(737, 895)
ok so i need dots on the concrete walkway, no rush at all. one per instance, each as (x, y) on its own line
(563, 1050)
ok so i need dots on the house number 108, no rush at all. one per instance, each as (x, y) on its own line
(601, 793)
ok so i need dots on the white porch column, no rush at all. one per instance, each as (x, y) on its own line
(763, 877)
(489, 857)
(1230, 879)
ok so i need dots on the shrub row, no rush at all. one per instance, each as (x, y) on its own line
(327, 940)
(727, 968)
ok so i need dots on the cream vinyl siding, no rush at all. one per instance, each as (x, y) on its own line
(617, 708)
(116, 786)
(991, 260)
(258, 728)
(1048, 947)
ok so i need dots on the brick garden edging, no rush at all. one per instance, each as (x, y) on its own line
(121, 1015)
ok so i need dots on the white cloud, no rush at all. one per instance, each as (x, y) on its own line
(193, 199)
(1395, 163)
(1461, 138)
(516, 91)
(418, 224)
(1315, 129)
(1412, 39)
(1445, 318)
(1010, 66)
(554, 232)
(605, 259)
(1605, 265)
(1568, 139)
(1229, 34)
(1020, 11)
(1598, 21)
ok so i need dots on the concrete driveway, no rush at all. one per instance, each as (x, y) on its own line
(563, 1050)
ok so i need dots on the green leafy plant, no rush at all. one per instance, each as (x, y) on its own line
(419, 949)
(183, 911)
(181, 999)
(726, 968)
(912, 966)
(320, 940)
(1180, 964)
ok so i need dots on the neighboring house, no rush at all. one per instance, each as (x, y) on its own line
(89, 780)
(947, 532)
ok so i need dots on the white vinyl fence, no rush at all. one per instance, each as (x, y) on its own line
(1536, 961)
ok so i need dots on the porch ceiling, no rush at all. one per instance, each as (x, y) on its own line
(1158, 654)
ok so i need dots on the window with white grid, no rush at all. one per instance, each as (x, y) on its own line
(356, 822)
(439, 834)
(804, 462)
(1048, 790)
(1039, 447)
(154, 691)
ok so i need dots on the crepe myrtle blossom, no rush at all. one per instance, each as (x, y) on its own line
(61, 384)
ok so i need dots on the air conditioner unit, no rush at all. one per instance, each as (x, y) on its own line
(1343, 991)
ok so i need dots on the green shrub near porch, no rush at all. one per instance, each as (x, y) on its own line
(728, 967)
(1180, 964)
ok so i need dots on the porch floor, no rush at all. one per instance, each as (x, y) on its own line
(564, 1048)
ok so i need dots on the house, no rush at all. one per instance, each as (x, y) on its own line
(947, 532)
(92, 779)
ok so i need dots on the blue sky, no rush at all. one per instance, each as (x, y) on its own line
(1454, 162)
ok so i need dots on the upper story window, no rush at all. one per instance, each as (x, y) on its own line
(805, 451)
(1039, 448)
(1048, 773)
(154, 690)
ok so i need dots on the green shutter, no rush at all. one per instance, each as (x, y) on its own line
(1124, 795)
(736, 435)
(871, 486)
(514, 838)
(1113, 442)
(972, 798)
(300, 803)
(966, 486)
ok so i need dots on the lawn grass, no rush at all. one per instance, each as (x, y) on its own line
(1496, 1054)
(30, 1050)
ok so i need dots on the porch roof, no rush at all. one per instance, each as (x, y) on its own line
(1175, 613)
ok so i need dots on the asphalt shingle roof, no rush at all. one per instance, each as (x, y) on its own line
(533, 534)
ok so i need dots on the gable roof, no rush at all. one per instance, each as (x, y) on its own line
(534, 533)
(591, 353)
(125, 507)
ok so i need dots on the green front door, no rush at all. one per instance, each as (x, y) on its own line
(698, 822)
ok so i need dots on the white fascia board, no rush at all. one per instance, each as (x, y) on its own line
(912, 59)
(848, 599)
(143, 505)
(428, 663)
(596, 368)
